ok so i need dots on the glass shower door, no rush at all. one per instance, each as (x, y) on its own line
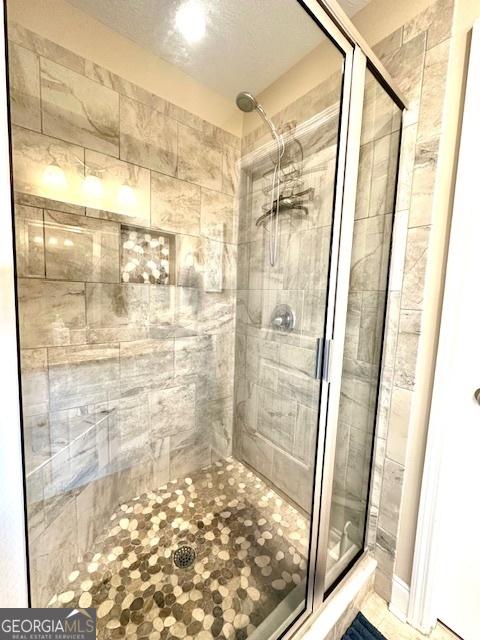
(288, 229)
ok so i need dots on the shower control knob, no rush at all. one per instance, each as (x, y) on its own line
(476, 395)
(283, 318)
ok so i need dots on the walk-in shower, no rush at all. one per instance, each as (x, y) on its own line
(201, 299)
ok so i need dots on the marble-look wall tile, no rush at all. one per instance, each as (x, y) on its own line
(33, 153)
(424, 176)
(42, 46)
(194, 455)
(406, 67)
(257, 452)
(29, 240)
(390, 499)
(294, 478)
(389, 44)
(370, 253)
(30, 200)
(398, 425)
(116, 174)
(415, 267)
(58, 309)
(117, 312)
(433, 89)
(214, 420)
(146, 364)
(198, 161)
(162, 311)
(81, 248)
(24, 77)
(147, 137)
(172, 410)
(82, 375)
(405, 168)
(34, 381)
(78, 110)
(230, 170)
(276, 419)
(436, 20)
(217, 216)
(407, 347)
(175, 205)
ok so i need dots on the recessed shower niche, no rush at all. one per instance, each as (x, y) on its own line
(200, 361)
(147, 256)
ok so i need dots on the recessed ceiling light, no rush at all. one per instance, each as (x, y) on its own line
(190, 20)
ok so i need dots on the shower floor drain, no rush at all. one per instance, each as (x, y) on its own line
(184, 557)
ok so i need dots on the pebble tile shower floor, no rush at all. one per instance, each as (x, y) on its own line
(250, 546)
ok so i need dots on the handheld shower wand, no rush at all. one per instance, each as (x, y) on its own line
(246, 102)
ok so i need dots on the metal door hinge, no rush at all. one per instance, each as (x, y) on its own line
(323, 359)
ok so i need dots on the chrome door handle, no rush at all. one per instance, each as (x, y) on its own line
(476, 395)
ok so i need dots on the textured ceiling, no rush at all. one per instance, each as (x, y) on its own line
(248, 43)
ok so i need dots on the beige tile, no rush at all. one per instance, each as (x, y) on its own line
(79, 110)
(147, 137)
(198, 161)
(81, 248)
(375, 609)
(24, 77)
(29, 241)
(51, 313)
(115, 175)
(33, 153)
(442, 633)
(175, 205)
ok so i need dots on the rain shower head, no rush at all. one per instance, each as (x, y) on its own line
(246, 102)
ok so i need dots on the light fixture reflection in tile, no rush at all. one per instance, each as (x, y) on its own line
(93, 187)
(67, 243)
(127, 197)
(38, 239)
(190, 21)
(54, 177)
(53, 241)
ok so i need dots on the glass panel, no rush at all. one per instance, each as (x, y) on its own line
(173, 218)
(375, 203)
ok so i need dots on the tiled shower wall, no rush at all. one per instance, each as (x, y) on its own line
(417, 57)
(276, 403)
(125, 385)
